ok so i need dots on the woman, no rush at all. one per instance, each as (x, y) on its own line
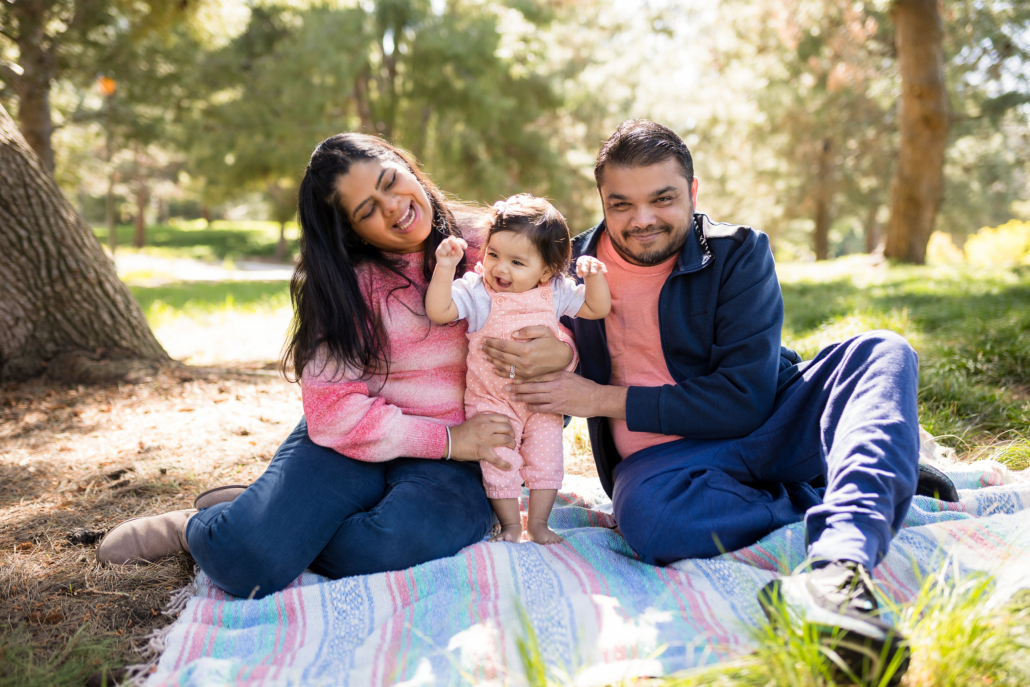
(363, 484)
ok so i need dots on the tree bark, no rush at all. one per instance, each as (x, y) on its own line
(280, 248)
(62, 307)
(33, 85)
(823, 198)
(872, 229)
(918, 184)
(142, 198)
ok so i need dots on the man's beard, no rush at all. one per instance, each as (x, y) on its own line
(658, 255)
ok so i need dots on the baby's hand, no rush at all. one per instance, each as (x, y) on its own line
(588, 266)
(449, 252)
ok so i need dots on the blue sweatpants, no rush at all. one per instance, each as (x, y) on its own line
(314, 508)
(849, 422)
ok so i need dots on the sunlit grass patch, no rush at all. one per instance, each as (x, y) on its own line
(958, 639)
(840, 328)
(204, 298)
(970, 326)
(203, 323)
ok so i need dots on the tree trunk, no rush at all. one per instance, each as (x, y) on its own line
(280, 248)
(918, 184)
(142, 197)
(62, 307)
(33, 86)
(112, 229)
(872, 229)
(823, 198)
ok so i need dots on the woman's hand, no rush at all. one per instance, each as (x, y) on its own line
(477, 437)
(536, 351)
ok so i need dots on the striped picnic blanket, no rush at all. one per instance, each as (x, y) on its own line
(599, 614)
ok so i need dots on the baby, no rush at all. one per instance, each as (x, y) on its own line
(520, 283)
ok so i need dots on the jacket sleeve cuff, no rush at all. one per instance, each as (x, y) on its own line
(643, 409)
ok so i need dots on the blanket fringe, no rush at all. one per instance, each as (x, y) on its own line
(136, 675)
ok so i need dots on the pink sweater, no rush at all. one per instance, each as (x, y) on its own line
(375, 418)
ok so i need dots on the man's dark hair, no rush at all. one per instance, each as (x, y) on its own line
(641, 143)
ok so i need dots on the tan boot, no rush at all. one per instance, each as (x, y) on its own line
(141, 540)
(224, 494)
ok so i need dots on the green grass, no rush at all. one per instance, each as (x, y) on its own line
(956, 640)
(199, 298)
(217, 241)
(82, 657)
(971, 327)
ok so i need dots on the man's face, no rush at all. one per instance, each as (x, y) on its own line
(648, 210)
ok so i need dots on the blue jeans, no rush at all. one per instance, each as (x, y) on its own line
(314, 508)
(849, 422)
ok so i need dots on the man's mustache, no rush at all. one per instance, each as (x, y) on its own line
(648, 230)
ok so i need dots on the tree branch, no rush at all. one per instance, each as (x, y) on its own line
(8, 73)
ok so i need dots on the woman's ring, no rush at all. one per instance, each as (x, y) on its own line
(511, 372)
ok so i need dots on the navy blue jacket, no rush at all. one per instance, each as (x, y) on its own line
(720, 314)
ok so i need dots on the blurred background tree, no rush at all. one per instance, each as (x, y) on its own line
(790, 106)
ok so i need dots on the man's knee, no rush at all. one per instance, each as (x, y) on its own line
(637, 510)
(885, 343)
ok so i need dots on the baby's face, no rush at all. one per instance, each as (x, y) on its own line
(511, 263)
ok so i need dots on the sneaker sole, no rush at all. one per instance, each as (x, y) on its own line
(867, 648)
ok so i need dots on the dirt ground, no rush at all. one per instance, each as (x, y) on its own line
(75, 461)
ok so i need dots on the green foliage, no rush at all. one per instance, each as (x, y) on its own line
(816, 117)
(473, 102)
(1003, 245)
(82, 657)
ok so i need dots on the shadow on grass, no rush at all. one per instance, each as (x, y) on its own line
(210, 243)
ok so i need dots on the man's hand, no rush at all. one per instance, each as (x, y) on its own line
(566, 393)
(536, 351)
(449, 252)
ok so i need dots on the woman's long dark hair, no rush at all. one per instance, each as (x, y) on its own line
(329, 308)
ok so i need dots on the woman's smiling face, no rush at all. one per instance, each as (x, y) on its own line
(386, 205)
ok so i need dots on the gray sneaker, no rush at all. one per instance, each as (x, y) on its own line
(837, 600)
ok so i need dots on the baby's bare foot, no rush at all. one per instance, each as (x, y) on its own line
(512, 533)
(542, 534)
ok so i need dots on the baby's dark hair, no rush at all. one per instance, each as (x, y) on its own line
(540, 222)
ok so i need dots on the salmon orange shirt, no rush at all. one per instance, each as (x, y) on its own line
(634, 340)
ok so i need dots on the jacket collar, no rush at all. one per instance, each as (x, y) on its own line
(695, 255)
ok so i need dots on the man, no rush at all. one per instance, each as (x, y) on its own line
(707, 434)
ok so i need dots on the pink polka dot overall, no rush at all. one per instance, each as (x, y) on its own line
(537, 458)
